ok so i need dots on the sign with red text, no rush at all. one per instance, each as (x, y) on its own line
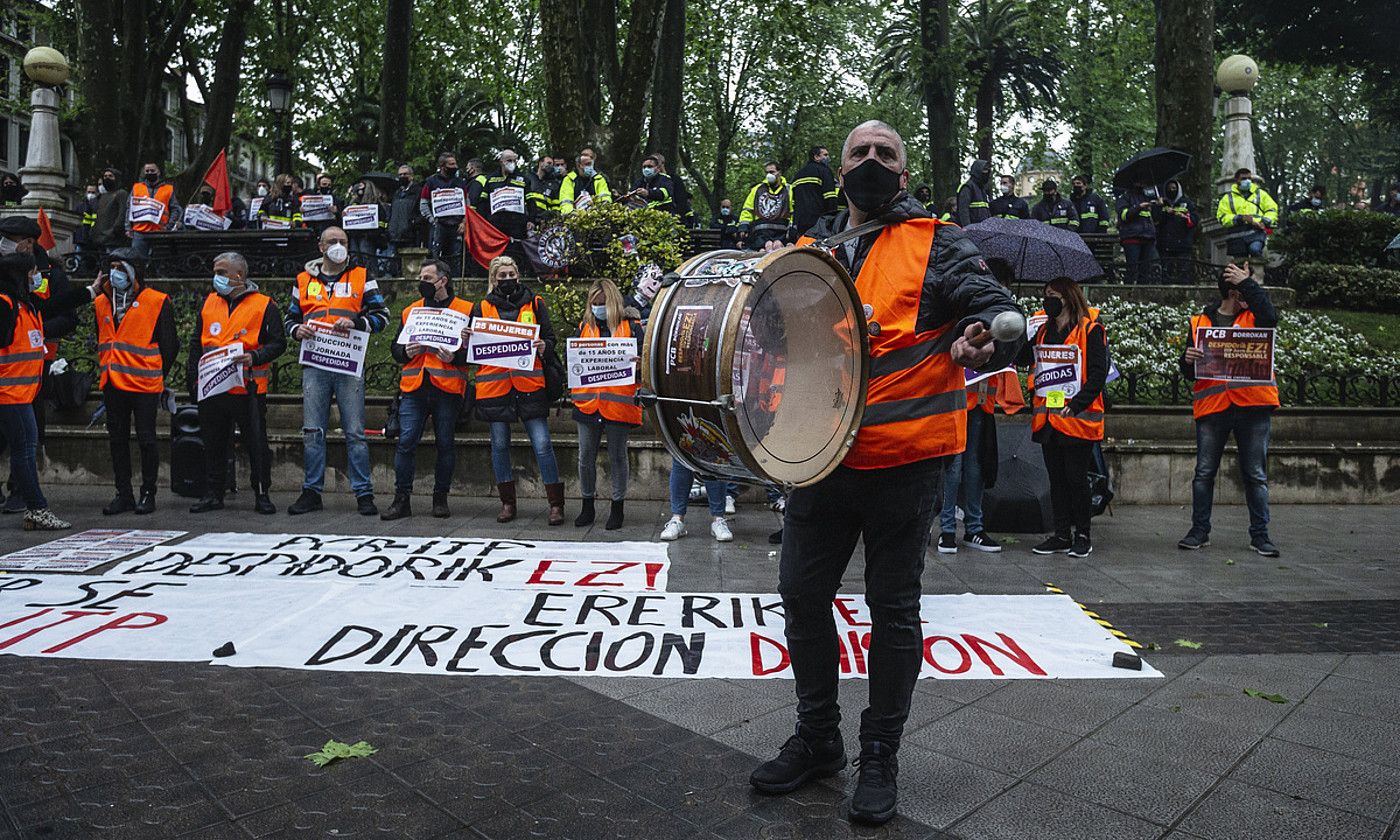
(1058, 370)
(1236, 354)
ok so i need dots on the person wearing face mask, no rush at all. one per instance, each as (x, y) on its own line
(1008, 205)
(82, 236)
(925, 326)
(543, 196)
(11, 191)
(1176, 233)
(136, 346)
(924, 195)
(1244, 409)
(1139, 209)
(585, 186)
(1250, 212)
(235, 311)
(1391, 204)
(262, 190)
(1093, 211)
(765, 222)
(1066, 432)
(653, 189)
(1054, 209)
(152, 207)
(405, 224)
(813, 190)
(332, 294)
(1316, 202)
(433, 381)
(444, 231)
(366, 244)
(606, 409)
(501, 200)
(507, 394)
(109, 230)
(320, 208)
(727, 225)
(279, 206)
(974, 205)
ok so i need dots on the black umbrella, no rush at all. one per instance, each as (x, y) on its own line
(1020, 502)
(385, 182)
(1154, 166)
(1034, 251)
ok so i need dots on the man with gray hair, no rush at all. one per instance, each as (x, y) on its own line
(929, 302)
(235, 312)
(501, 199)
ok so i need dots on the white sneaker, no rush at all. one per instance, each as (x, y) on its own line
(720, 530)
(728, 505)
(779, 504)
(674, 530)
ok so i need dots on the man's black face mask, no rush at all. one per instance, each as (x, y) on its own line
(871, 186)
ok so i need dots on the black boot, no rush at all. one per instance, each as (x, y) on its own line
(585, 514)
(877, 793)
(262, 503)
(614, 517)
(121, 504)
(308, 501)
(147, 503)
(365, 505)
(440, 506)
(207, 504)
(398, 509)
(798, 762)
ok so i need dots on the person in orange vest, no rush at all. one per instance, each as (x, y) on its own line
(607, 408)
(136, 346)
(340, 297)
(1068, 357)
(930, 301)
(1221, 408)
(504, 395)
(433, 381)
(235, 311)
(152, 207)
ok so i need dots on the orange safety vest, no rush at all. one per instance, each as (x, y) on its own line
(445, 375)
(127, 353)
(916, 404)
(164, 193)
(243, 323)
(493, 382)
(1088, 424)
(341, 300)
(1002, 389)
(22, 362)
(614, 402)
(1212, 396)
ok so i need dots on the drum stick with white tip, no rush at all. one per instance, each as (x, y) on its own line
(1008, 326)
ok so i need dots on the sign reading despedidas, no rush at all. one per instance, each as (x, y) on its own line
(508, 344)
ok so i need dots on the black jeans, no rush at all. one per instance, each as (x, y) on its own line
(414, 408)
(892, 510)
(122, 406)
(1067, 462)
(217, 417)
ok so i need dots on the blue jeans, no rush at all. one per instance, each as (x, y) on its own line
(964, 473)
(414, 408)
(538, 432)
(317, 388)
(681, 478)
(1251, 429)
(1140, 256)
(22, 434)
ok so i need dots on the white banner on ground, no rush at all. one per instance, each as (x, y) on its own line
(327, 350)
(434, 327)
(360, 217)
(217, 372)
(601, 361)
(507, 344)
(85, 550)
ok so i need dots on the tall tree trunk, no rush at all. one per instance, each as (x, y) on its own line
(624, 133)
(1185, 62)
(986, 114)
(393, 80)
(222, 95)
(1084, 130)
(940, 96)
(666, 103)
(566, 88)
(104, 132)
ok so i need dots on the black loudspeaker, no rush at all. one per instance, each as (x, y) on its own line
(187, 472)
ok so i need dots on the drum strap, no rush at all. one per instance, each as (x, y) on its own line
(851, 233)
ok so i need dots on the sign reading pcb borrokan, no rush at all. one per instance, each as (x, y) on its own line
(1236, 354)
(507, 344)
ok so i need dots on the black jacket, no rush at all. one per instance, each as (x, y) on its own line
(1010, 207)
(813, 195)
(1093, 212)
(973, 204)
(517, 405)
(510, 223)
(728, 228)
(1133, 221)
(1177, 224)
(1059, 213)
(403, 215)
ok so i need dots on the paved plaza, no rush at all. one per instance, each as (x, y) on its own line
(101, 749)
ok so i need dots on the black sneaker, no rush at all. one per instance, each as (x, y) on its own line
(1082, 547)
(207, 504)
(365, 505)
(262, 504)
(1054, 545)
(121, 504)
(1263, 546)
(1193, 541)
(982, 541)
(308, 501)
(776, 538)
(947, 543)
(877, 793)
(798, 762)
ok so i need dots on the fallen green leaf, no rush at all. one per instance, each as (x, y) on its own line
(1321, 625)
(1229, 562)
(1175, 708)
(1187, 643)
(335, 750)
(1010, 541)
(1283, 567)
(1272, 698)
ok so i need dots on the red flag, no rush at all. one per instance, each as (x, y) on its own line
(45, 232)
(217, 180)
(484, 240)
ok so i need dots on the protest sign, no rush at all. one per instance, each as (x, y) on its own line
(83, 551)
(328, 350)
(434, 327)
(269, 223)
(601, 361)
(1236, 354)
(317, 208)
(448, 202)
(203, 217)
(972, 377)
(508, 200)
(502, 343)
(144, 210)
(254, 205)
(360, 217)
(218, 372)
(1057, 371)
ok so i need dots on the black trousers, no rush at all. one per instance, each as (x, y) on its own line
(217, 417)
(1067, 462)
(122, 408)
(892, 511)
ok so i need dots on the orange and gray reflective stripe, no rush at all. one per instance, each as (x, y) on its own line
(343, 313)
(443, 373)
(915, 408)
(9, 358)
(617, 398)
(133, 349)
(148, 373)
(1089, 416)
(492, 377)
(1212, 390)
(904, 358)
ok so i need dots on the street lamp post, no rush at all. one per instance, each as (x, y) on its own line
(279, 102)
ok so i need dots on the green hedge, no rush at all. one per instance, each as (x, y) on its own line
(1346, 287)
(1339, 237)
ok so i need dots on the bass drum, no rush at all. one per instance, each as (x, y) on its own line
(759, 365)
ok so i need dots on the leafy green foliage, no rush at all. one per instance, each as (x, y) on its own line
(1343, 237)
(1272, 698)
(600, 250)
(1348, 286)
(337, 750)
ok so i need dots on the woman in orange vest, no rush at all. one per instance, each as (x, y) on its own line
(1068, 356)
(505, 394)
(136, 345)
(606, 408)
